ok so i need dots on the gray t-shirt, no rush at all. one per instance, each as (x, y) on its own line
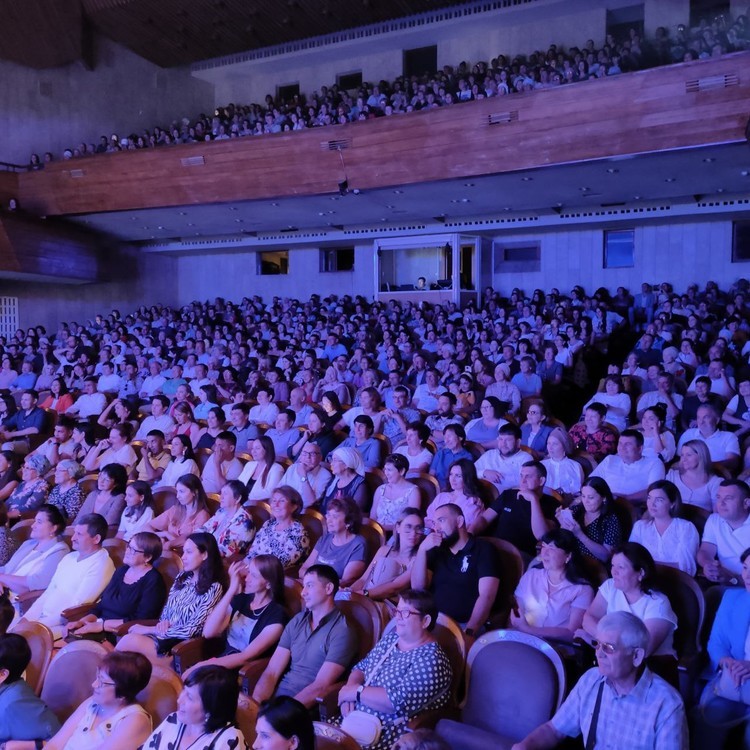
(338, 557)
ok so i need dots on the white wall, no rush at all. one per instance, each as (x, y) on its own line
(679, 253)
(234, 276)
(54, 109)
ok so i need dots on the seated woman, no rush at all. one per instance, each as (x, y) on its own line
(206, 714)
(331, 405)
(284, 722)
(395, 494)
(195, 592)
(535, 431)
(215, 419)
(658, 441)
(694, 476)
(483, 430)
(616, 402)
(316, 432)
(32, 491)
(8, 473)
(232, 526)
(564, 475)
(185, 423)
(389, 573)
(115, 450)
(726, 699)
(185, 517)
(59, 398)
(341, 546)
(67, 494)
(463, 490)
(552, 598)
(669, 539)
(182, 462)
(592, 521)
(135, 592)
(262, 475)
(110, 719)
(632, 589)
(208, 399)
(329, 384)
(363, 442)
(251, 613)
(282, 535)
(414, 449)
(348, 479)
(405, 674)
(139, 510)
(83, 440)
(120, 412)
(108, 499)
(34, 563)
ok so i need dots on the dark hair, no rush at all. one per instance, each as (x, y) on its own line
(399, 462)
(538, 467)
(144, 490)
(270, 457)
(422, 430)
(150, 545)
(15, 655)
(423, 602)
(496, 404)
(401, 516)
(54, 516)
(11, 473)
(212, 396)
(7, 613)
(195, 485)
(219, 691)
(566, 541)
(659, 411)
(637, 436)
(457, 429)
(602, 489)
(245, 408)
(218, 412)
(129, 670)
(289, 718)
(125, 430)
(229, 437)
(333, 398)
(239, 490)
(185, 440)
(96, 525)
(63, 385)
(352, 512)
(469, 475)
(600, 409)
(211, 570)
(117, 473)
(272, 571)
(640, 558)
(510, 429)
(326, 574)
(163, 400)
(291, 495)
(739, 484)
(672, 493)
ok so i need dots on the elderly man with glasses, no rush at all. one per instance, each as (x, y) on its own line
(308, 476)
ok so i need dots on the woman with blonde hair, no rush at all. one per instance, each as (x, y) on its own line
(694, 477)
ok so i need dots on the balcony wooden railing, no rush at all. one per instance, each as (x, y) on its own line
(680, 106)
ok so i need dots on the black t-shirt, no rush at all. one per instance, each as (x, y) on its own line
(455, 578)
(142, 600)
(245, 625)
(514, 519)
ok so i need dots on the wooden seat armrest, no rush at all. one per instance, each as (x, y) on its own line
(250, 673)
(76, 613)
(328, 701)
(428, 719)
(123, 629)
(188, 653)
(26, 599)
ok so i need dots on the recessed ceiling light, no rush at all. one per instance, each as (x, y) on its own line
(709, 160)
(275, 204)
(669, 179)
(527, 179)
(612, 170)
(398, 192)
(232, 208)
(584, 189)
(239, 221)
(468, 184)
(160, 227)
(145, 227)
(745, 173)
(191, 224)
(133, 218)
(719, 190)
(636, 197)
(183, 213)
(334, 197)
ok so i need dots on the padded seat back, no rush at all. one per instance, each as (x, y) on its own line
(159, 697)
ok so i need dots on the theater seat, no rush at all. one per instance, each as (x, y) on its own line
(159, 697)
(41, 642)
(499, 711)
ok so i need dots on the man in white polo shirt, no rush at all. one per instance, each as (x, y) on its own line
(308, 476)
(629, 472)
(726, 534)
(722, 445)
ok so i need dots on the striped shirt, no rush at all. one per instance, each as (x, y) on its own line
(186, 610)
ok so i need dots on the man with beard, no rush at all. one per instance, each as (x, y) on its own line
(460, 571)
(502, 465)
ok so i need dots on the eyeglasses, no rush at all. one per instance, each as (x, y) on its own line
(102, 681)
(404, 614)
(135, 549)
(608, 648)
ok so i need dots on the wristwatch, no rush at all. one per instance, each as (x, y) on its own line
(360, 689)
(304, 478)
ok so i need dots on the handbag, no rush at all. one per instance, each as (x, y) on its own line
(365, 727)
(722, 686)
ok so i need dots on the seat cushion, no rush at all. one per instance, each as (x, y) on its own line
(465, 737)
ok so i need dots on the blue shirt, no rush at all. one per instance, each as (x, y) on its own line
(442, 461)
(23, 716)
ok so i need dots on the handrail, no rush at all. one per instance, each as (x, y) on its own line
(6, 166)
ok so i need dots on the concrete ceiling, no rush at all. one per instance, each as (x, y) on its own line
(687, 176)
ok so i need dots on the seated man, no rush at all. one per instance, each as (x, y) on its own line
(283, 434)
(154, 458)
(722, 444)
(460, 571)
(60, 446)
(399, 416)
(453, 449)
(316, 647)
(300, 407)
(242, 427)
(109, 381)
(159, 419)
(426, 394)
(621, 702)
(23, 716)
(27, 421)
(591, 435)
(726, 534)
(80, 577)
(703, 395)
(444, 416)
(223, 465)
(629, 473)
(27, 378)
(90, 403)
(527, 381)
(502, 465)
(308, 476)
(665, 394)
(265, 411)
(523, 515)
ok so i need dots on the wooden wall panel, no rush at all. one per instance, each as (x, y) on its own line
(640, 112)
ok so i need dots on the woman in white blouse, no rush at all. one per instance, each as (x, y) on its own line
(658, 442)
(262, 475)
(563, 473)
(694, 477)
(183, 462)
(617, 402)
(669, 539)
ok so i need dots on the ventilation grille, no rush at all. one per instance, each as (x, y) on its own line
(503, 118)
(364, 32)
(722, 203)
(615, 212)
(382, 230)
(192, 161)
(711, 82)
(338, 145)
(8, 316)
(491, 222)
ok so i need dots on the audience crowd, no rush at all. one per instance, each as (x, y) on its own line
(453, 85)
